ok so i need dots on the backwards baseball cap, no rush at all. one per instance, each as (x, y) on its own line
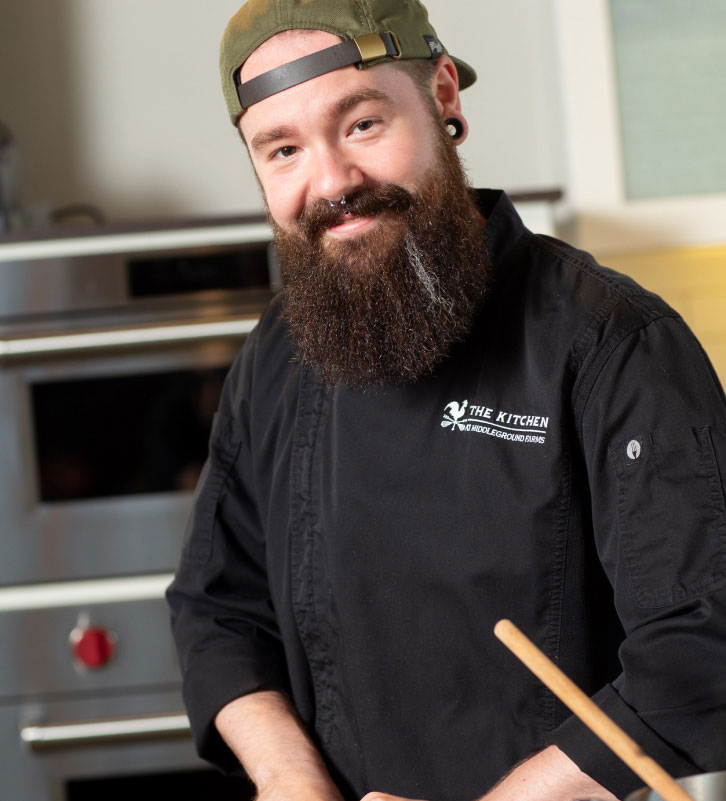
(372, 32)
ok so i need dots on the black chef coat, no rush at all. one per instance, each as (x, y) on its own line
(563, 468)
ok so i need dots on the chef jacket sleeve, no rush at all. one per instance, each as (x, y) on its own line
(222, 618)
(653, 425)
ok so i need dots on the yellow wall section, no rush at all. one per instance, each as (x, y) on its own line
(693, 281)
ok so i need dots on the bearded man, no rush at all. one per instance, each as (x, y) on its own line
(442, 420)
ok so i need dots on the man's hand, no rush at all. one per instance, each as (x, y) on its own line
(265, 734)
(549, 775)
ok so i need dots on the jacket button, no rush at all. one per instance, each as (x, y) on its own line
(633, 450)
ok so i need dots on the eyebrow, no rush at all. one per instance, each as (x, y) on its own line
(350, 101)
(261, 140)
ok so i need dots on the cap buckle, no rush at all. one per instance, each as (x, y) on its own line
(372, 46)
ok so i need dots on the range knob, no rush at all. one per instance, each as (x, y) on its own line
(92, 647)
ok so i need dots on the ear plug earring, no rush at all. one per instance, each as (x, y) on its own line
(457, 125)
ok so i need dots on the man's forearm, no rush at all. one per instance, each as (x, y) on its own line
(265, 734)
(549, 775)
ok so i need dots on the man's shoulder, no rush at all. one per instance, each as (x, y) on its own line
(270, 338)
(569, 305)
(591, 287)
(271, 333)
(267, 358)
(545, 264)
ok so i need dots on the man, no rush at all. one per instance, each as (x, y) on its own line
(443, 420)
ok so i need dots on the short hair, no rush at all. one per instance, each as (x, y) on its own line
(421, 71)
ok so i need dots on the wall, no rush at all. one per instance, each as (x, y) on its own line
(118, 103)
(693, 281)
(605, 220)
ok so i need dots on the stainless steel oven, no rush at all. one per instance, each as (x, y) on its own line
(113, 347)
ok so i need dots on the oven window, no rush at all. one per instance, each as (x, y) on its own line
(243, 267)
(123, 435)
(182, 786)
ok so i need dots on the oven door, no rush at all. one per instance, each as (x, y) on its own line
(102, 447)
(122, 747)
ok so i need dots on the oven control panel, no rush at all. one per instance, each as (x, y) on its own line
(105, 647)
(92, 646)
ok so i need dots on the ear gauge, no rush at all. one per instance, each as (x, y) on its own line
(455, 128)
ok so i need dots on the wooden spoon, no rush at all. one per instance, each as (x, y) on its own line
(589, 713)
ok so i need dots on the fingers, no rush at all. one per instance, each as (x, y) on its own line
(375, 796)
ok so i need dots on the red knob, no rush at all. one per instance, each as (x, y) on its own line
(93, 647)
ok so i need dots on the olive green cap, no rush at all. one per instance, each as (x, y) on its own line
(405, 20)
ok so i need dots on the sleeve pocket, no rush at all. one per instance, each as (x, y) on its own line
(224, 445)
(671, 514)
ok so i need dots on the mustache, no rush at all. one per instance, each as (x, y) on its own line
(366, 203)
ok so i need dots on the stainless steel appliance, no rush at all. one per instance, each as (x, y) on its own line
(702, 787)
(113, 346)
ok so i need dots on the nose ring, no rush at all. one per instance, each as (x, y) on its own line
(342, 202)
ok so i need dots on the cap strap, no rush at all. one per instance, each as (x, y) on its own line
(360, 50)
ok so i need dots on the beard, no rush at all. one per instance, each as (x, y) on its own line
(387, 306)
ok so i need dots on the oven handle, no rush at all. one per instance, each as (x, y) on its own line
(47, 736)
(123, 337)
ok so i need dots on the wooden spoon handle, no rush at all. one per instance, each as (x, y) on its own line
(589, 713)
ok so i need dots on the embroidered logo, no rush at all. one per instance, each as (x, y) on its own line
(499, 423)
(454, 413)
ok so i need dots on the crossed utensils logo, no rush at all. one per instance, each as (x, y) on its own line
(453, 413)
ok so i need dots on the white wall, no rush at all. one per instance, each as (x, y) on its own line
(605, 220)
(117, 102)
(514, 108)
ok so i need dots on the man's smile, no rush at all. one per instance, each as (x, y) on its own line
(349, 224)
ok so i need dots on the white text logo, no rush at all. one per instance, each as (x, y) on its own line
(499, 423)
